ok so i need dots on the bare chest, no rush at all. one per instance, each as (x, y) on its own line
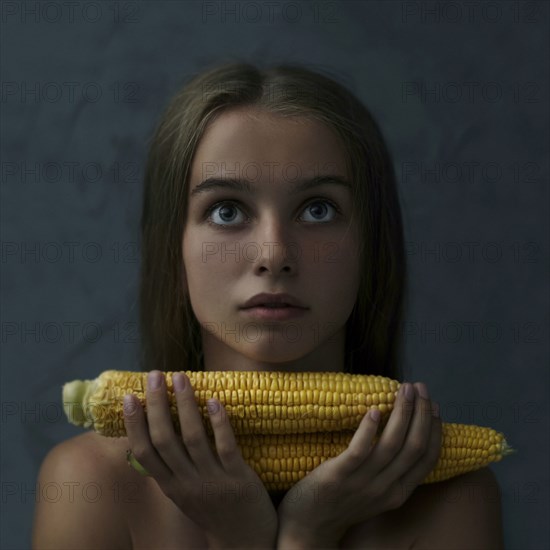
(154, 521)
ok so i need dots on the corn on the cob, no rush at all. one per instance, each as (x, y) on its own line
(282, 460)
(255, 401)
(285, 423)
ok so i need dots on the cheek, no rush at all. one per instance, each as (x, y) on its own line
(341, 258)
(209, 264)
(335, 275)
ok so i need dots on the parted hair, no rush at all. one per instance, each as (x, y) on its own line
(170, 332)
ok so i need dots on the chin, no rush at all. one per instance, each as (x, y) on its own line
(280, 357)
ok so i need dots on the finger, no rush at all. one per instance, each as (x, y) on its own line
(393, 437)
(418, 473)
(195, 439)
(228, 451)
(139, 440)
(161, 429)
(360, 445)
(416, 442)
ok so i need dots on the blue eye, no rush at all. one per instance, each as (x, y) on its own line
(319, 209)
(225, 210)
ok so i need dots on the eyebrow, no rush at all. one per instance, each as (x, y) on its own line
(211, 184)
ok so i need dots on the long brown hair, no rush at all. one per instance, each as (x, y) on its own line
(170, 333)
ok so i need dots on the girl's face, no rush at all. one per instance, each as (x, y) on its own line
(254, 226)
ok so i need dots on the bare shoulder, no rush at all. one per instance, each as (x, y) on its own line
(457, 514)
(89, 455)
(465, 513)
(77, 480)
(479, 486)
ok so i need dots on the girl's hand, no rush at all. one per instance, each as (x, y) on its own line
(365, 480)
(214, 487)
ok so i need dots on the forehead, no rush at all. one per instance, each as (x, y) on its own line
(260, 146)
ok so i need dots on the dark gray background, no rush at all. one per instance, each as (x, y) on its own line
(476, 230)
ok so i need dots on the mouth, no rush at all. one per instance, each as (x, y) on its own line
(273, 301)
(274, 312)
(274, 306)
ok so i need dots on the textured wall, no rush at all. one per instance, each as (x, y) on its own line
(461, 93)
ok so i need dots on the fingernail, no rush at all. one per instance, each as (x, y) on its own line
(407, 391)
(153, 380)
(374, 414)
(422, 390)
(128, 405)
(435, 409)
(212, 406)
(179, 382)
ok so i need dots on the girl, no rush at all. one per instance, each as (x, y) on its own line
(271, 240)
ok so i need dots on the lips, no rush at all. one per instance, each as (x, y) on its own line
(273, 301)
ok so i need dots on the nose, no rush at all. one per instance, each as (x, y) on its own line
(279, 253)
